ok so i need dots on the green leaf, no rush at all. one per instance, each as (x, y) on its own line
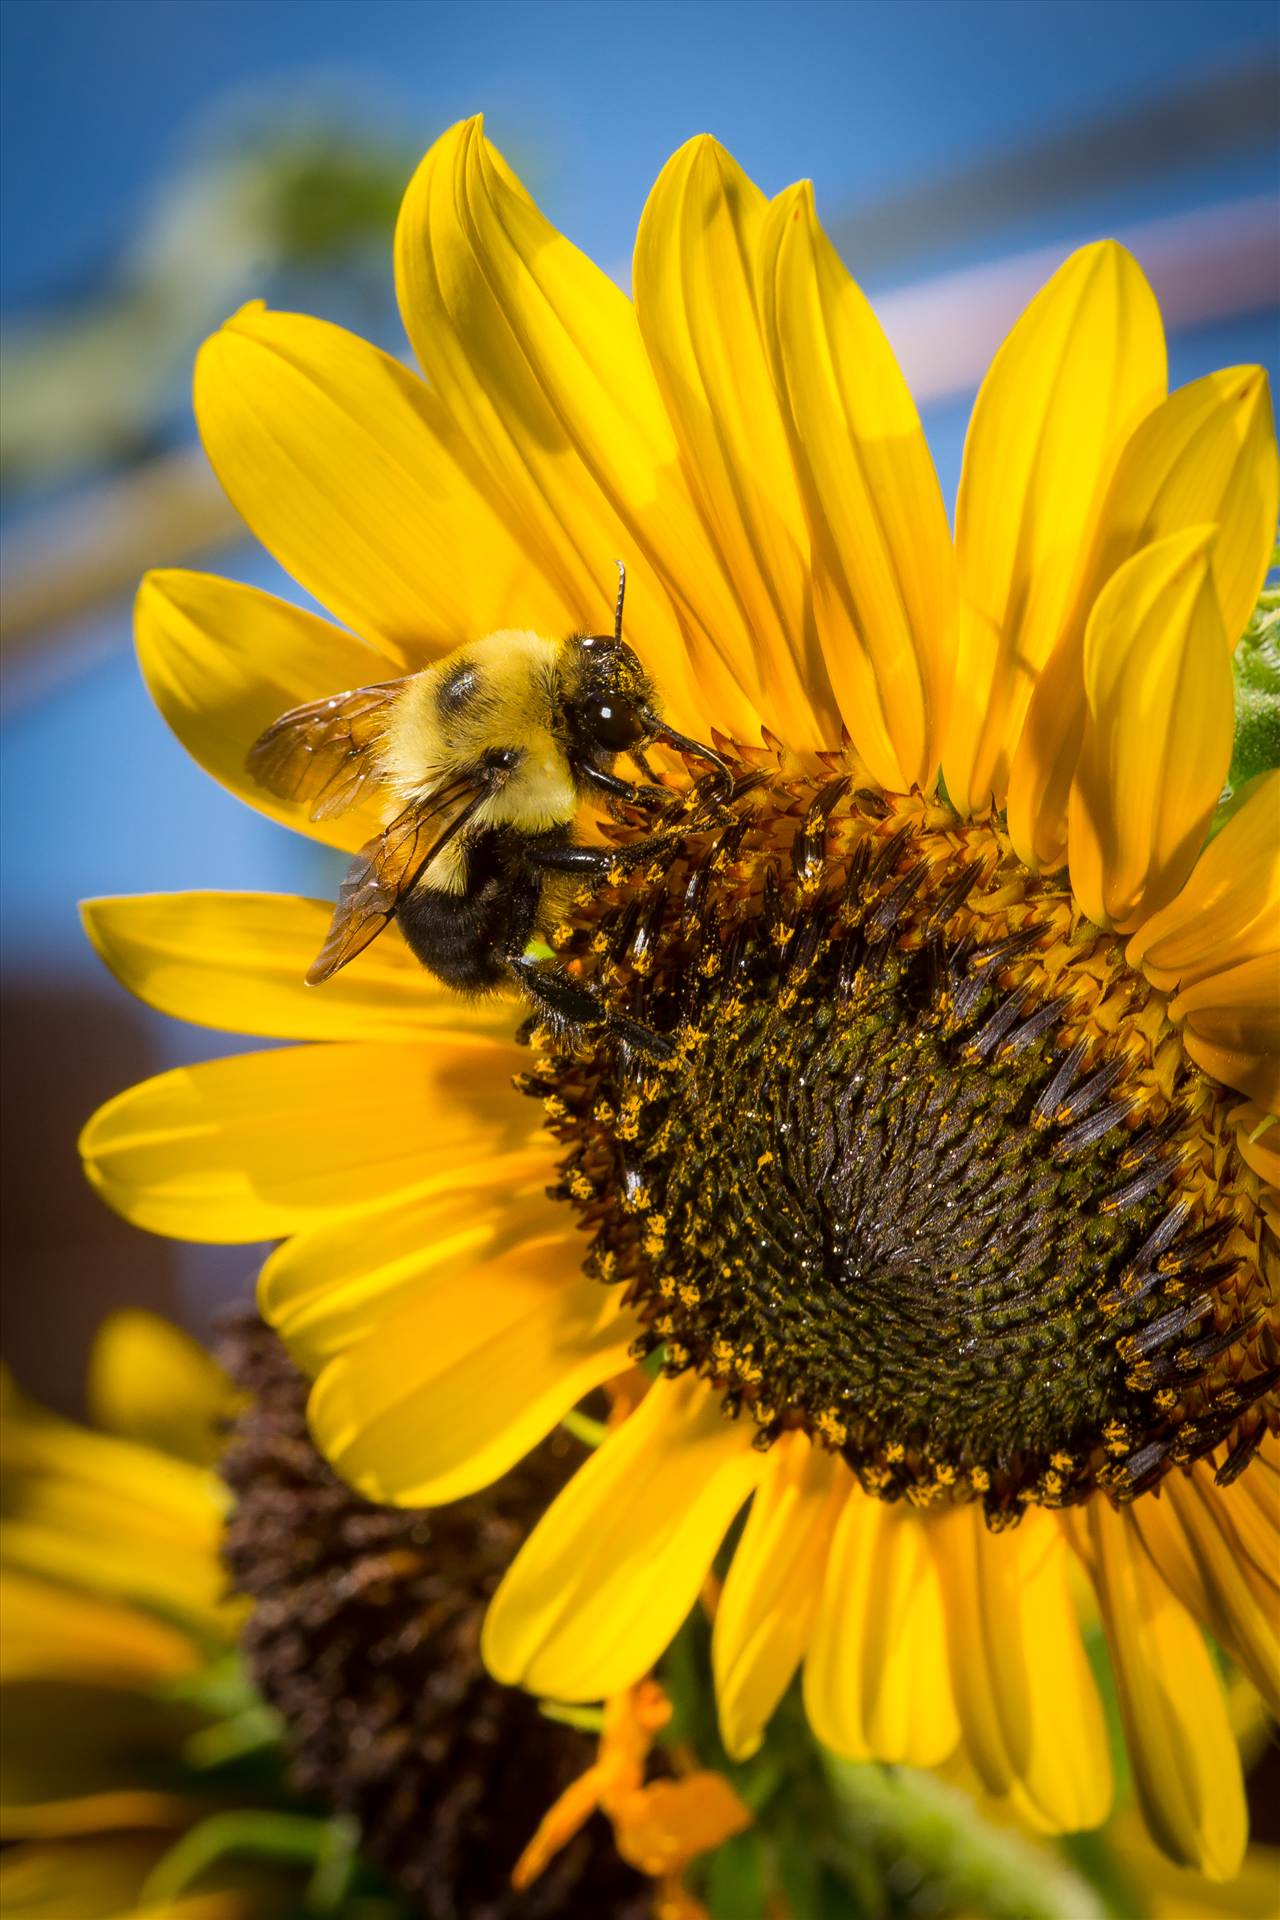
(735, 1883)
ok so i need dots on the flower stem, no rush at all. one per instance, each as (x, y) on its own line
(932, 1829)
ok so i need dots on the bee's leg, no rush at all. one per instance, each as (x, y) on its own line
(551, 987)
(595, 863)
(624, 790)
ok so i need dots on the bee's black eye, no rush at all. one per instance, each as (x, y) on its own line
(613, 725)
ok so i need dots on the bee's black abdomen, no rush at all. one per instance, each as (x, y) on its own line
(465, 938)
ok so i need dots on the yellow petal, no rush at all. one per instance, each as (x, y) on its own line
(53, 1633)
(538, 358)
(349, 471)
(324, 1289)
(695, 292)
(1258, 1138)
(875, 1677)
(91, 1511)
(1253, 1509)
(1206, 455)
(1178, 1893)
(222, 661)
(1255, 1075)
(606, 1577)
(766, 1608)
(1158, 736)
(237, 961)
(132, 1809)
(1190, 1535)
(1080, 369)
(101, 1878)
(1029, 1710)
(1185, 1764)
(150, 1381)
(264, 1144)
(1233, 1027)
(883, 574)
(461, 1380)
(1229, 910)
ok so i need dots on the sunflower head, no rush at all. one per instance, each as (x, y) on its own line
(928, 1177)
(955, 1192)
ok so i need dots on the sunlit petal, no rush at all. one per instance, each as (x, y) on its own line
(538, 358)
(1206, 455)
(1079, 370)
(883, 575)
(601, 1585)
(1158, 736)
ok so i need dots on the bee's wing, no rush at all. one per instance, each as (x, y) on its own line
(385, 869)
(321, 752)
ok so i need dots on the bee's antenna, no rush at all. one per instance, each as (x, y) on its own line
(622, 589)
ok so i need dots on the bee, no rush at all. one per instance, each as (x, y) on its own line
(487, 755)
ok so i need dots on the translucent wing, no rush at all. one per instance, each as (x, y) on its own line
(323, 752)
(385, 870)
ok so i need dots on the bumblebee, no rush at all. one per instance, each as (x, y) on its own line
(486, 756)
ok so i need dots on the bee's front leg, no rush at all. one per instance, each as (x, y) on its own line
(547, 983)
(625, 792)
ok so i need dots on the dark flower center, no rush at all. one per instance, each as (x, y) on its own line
(925, 1175)
(365, 1635)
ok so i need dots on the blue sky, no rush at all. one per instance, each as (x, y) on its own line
(102, 98)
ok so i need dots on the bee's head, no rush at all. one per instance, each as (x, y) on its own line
(608, 696)
(610, 703)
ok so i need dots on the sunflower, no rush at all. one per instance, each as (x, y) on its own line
(223, 1697)
(114, 1607)
(945, 1232)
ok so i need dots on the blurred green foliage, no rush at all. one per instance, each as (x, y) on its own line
(299, 212)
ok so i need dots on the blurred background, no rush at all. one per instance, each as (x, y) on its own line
(165, 160)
